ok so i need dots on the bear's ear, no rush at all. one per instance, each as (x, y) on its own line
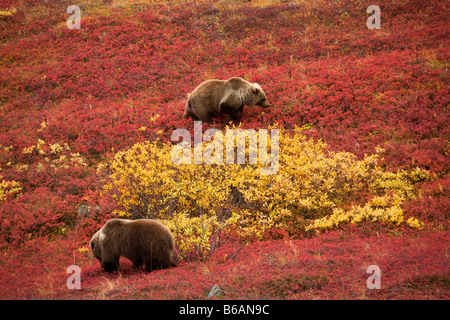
(255, 89)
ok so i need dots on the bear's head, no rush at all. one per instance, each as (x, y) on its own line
(95, 245)
(259, 97)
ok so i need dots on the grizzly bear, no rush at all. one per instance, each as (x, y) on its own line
(144, 241)
(223, 96)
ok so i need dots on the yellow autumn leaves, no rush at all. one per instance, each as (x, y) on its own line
(8, 12)
(8, 187)
(314, 190)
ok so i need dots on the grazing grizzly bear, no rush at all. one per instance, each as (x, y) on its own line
(227, 96)
(142, 241)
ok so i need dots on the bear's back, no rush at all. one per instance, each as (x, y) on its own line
(143, 232)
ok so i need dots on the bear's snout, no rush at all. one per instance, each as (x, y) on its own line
(264, 104)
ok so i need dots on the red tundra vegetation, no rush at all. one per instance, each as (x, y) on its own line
(71, 99)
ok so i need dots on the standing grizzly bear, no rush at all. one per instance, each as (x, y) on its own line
(228, 96)
(142, 241)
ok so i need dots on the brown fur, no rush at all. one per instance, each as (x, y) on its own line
(142, 241)
(223, 96)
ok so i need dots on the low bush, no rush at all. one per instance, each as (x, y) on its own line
(313, 189)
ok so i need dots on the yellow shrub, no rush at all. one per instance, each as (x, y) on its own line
(8, 12)
(313, 189)
(193, 234)
(8, 187)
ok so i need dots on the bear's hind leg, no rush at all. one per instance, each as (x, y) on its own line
(188, 112)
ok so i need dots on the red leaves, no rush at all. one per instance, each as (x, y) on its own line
(330, 266)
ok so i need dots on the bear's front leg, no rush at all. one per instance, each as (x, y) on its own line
(110, 266)
(137, 263)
